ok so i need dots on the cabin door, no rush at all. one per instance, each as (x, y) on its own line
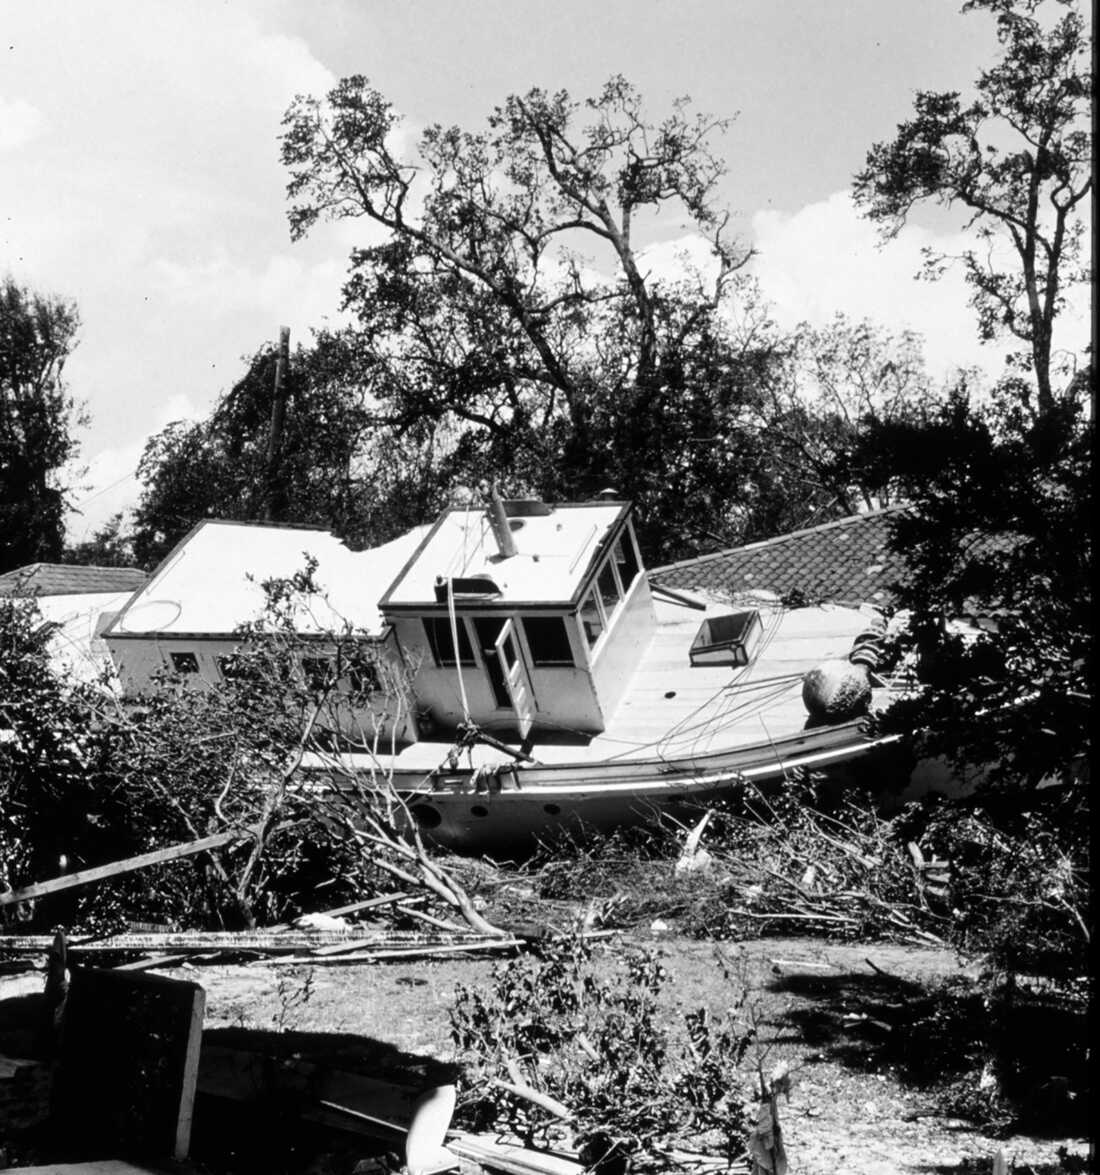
(516, 677)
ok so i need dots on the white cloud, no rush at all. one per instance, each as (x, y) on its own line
(20, 122)
(827, 258)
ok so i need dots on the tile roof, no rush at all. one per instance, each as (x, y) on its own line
(846, 561)
(69, 579)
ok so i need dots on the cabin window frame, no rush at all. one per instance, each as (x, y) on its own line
(465, 644)
(538, 661)
(624, 543)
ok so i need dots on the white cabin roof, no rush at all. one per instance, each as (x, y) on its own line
(554, 552)
(210, 584)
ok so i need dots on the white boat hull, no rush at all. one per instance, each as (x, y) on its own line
(507, 811)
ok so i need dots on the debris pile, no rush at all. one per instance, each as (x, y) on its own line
(805, 871)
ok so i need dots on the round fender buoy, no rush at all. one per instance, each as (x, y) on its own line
(836, 690)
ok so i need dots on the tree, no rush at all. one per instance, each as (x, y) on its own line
(835, 384)
(510, 302)
(220, 466)
(109, 546)
(1017, 158)
(37, 416)
(999, 528)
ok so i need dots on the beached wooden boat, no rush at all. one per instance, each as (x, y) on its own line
(530, 676)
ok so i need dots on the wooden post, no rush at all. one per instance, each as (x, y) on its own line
(274, 503)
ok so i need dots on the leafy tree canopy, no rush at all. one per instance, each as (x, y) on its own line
(37, 416)
(1017, 158)
(1001, 489)
(509, 301)
(223, 466)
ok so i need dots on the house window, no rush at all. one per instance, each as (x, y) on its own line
(548, 640)
(591, 616)
(363, 678)
(184, 662)
(317, 672)
(438, 630)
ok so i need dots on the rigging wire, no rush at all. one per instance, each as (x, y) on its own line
(458, 654)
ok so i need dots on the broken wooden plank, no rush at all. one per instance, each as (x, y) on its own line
(261, 941)
(99, 1167)
(514, 1160)
(117, 868)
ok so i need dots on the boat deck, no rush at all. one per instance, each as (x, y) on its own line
(673, 710)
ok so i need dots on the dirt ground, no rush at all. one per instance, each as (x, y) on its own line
(823, 1008)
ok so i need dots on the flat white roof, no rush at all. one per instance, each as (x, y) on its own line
(211, 583)
(554, 552)
(74, 647)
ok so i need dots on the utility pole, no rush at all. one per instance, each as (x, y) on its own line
(274, 495)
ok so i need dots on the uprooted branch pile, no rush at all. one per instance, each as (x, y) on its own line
(777, 866)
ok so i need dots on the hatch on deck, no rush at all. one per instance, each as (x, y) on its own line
(727, 640)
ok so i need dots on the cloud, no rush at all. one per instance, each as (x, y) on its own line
(827, 258)
(20, 122)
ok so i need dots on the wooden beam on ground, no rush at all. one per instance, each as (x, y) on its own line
(408, 952)
(240, 941)
(117, 868)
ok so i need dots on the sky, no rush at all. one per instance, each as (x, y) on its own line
(140, 174)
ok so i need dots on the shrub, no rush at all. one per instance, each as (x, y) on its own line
(569, 1027)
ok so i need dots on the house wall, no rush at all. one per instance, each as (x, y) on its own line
(139, 664)
(618, 654)
(565, 696)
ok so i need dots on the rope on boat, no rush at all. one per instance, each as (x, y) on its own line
(458, 653)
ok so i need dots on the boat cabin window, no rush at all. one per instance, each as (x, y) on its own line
(591, 616)
(184, 662)
(548, 640)
(608, 584)
(438, 630)
(626, 558)
(612, 584)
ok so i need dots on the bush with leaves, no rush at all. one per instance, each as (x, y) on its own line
(567, 1044)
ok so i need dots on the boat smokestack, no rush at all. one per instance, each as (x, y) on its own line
(498, 520)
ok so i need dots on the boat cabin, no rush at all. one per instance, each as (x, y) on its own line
(523, 617)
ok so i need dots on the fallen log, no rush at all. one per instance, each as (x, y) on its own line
(117, 868)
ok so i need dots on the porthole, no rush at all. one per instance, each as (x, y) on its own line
(551, 809)
(479, 810)
(426, 816)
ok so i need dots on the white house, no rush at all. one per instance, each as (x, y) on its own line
(79, 602)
